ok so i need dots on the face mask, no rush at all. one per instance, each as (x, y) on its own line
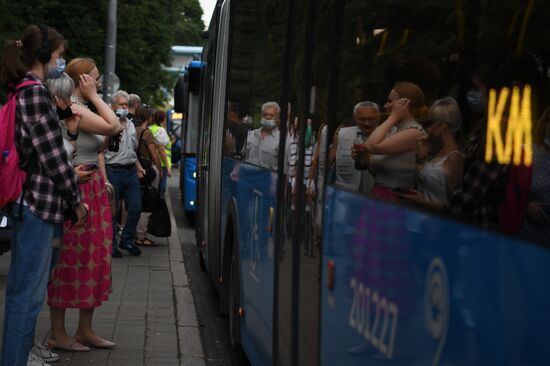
(55, 72)
(268, 123)
(121, 112)
(475, 101)
(64, 113)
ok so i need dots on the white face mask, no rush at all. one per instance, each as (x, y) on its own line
(268, 123)
(121, 112)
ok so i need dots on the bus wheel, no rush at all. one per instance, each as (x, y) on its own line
(237, 353)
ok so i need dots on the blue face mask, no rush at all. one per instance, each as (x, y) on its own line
(121, 112)
(475, 101)
(55, 72)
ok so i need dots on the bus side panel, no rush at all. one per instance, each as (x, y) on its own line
(190, 189)
(253, 189)
(404, 287)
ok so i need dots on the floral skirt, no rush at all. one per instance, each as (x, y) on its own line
(81, 277)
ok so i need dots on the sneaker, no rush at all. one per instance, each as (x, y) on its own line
(34, 360)
(45, 353)
(131, 248)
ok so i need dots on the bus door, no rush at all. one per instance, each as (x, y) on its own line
(299, 250)
(252, 148)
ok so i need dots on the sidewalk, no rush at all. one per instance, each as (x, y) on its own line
(150, 314)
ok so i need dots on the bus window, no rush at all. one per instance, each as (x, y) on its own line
(460, 171)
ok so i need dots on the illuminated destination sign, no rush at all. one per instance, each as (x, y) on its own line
(517, 142)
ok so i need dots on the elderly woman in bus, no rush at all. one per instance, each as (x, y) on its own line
(440, 163)
(390, 151)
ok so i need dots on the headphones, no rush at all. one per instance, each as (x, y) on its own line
(43, 54)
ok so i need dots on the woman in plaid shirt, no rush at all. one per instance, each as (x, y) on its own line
(51, 184)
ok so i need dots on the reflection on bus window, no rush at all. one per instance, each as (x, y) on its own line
(237, 129)
(346, 153)
(262, 144)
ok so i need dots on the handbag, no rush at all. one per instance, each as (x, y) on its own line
(159, 223)
(150, 197)
(150, 173)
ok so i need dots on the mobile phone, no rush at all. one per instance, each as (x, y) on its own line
(90, 167)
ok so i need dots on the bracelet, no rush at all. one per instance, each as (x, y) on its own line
(72, 136)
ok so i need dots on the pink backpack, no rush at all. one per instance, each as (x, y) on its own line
(12, 177)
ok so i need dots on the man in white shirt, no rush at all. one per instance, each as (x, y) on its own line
(123, 171)
(262, 144)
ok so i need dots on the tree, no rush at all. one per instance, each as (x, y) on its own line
(189, 25)
(146, 31)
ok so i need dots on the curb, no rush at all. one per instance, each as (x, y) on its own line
(191, 352)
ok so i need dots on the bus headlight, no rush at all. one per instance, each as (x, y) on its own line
(194, 175)
(192, 203)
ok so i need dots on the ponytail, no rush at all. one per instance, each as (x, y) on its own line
(12, 68)
(21, 55)
(420, 113)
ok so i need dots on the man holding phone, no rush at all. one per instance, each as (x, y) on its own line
(123, 170)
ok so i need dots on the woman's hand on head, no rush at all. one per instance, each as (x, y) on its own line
(401, 108)
(87, 86)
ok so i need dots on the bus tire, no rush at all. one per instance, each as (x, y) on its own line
(238, 356)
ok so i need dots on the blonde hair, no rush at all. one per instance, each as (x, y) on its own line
(446, 110)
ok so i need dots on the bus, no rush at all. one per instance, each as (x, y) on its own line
(312, 271)
(186, 107)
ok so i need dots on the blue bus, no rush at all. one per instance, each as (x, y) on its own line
(186, 107)
(313, 265)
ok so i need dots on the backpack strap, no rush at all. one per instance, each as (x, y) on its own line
(26, 84)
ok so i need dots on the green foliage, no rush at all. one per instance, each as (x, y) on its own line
(145, 31)
(189, 27)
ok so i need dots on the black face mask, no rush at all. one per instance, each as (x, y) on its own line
(64, 113)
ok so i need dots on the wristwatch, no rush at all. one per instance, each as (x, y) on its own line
(72, 136)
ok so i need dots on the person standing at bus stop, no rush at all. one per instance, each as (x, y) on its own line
(262, 144)
(123, 170)
(164, 146)
(50, 183)
(134, 101)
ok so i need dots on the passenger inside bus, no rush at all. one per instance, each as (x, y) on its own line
(536, 225)
(390, 150)
(262, 144)
(439, 159)
(237, 130)
(366, 116)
